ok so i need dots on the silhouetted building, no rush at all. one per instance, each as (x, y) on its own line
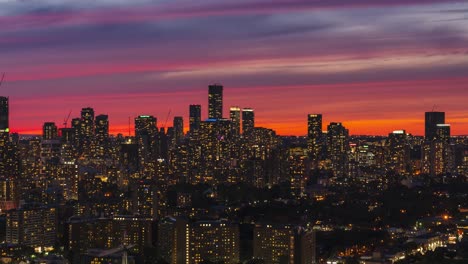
(146, 134)
(178, 129)
(4, 115)
(248, 121)
(194, 117)
(49, 131)
(431, 121)
(215, 101)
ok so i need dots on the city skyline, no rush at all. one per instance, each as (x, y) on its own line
(163, 123)
(285, 60)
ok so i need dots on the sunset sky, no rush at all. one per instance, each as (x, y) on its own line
(375, 65)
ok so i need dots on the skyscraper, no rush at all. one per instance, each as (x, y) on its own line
(4, 135)
(4, 112)
(431, 121)
(235, 115)
(178, 129)
(215, 101)
(146, 133)
(101, 136)
(398, 146)
(314, 135)
(194, 117)
(87, 130)
(87, 122)
(248, 120)
(337, 145)
(49, 131)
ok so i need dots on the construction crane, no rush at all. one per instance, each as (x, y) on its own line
(65, 120)
(167, 118)
(1, 80)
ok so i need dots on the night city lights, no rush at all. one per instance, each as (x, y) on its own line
(229, 132)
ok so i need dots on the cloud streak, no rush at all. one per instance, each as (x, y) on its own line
(318, 56)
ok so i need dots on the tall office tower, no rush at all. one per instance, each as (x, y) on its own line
(4, 134)
(178, 129)
(33, 227)
(213, 144)
(437, 153)
(215, 101)
(298, 171)
(277, 244)
(4, 115)
(398, 155)
(194, 117)
(146, 132)
(337, 146)
(101, 139)
(87, 130)
(314, 135)
(248, 121)
(49, 131)
(76, 126)
(431, 121)
(235, 115)
(87, 122)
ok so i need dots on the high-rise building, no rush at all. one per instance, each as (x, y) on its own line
(278, 244)
(49, 131)
(337, 146)
(87, 122)
(443, 132)
(167, 238)
(248, 120)
(87, 130)
(437, 153)
(178, 129)
(87, 233)
(235, 115)
(4, 135)
(76, 126)
(33, 227)
(215, 101)
(314, 135)
(145, 203)
(194, 117)
(398, 156)
(196, 242)
(431, 121)
(4, 115)
(101, 144)
(146, 132)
